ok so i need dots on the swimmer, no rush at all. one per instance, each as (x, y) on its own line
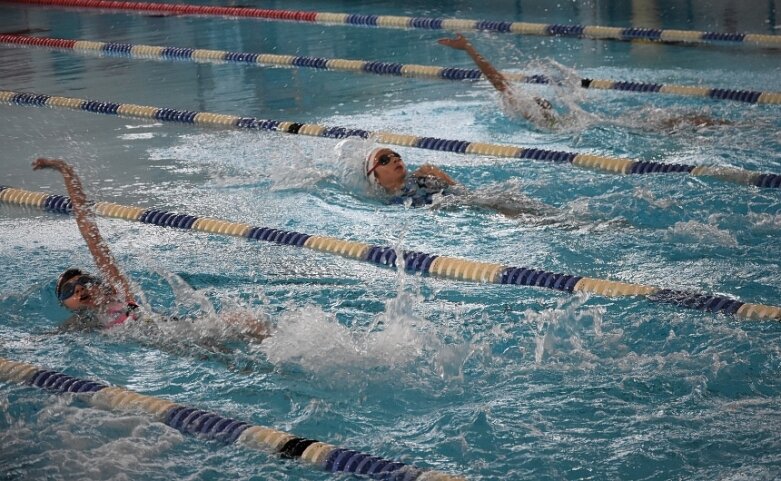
(385, 169)
(695, 120)
(106, 300)
(540, 111)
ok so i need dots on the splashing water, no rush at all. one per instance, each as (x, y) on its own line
(562, 334)
(71, 442)
(193, 321)
(568, 116)
(396, 338)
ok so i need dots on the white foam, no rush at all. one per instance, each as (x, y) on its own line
(396, 339)
(697, 232)
(765, 221)
(192, 322)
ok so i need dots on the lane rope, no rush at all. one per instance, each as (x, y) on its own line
(614, 165)
(685, 37)
(374, 67)
(413, 262)
(214, 427)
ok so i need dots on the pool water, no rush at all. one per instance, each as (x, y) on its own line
(492, 382)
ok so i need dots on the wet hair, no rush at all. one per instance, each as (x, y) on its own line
(65, 277)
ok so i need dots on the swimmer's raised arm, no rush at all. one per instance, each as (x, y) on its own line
(89, 228)
(494, 76)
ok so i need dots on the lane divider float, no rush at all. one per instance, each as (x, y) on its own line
(212, 426)
(374, 67)
(602, 163)
(686, 37)
(411, 261)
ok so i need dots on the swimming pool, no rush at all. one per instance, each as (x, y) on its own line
(487, 381)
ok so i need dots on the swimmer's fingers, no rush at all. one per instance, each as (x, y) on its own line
(449, 42)
(460, 42)
(42, 163)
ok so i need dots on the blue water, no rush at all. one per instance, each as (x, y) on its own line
(491, 382)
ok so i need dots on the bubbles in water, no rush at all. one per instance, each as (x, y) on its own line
(650, 197)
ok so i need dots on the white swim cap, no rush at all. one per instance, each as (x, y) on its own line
(368, 166)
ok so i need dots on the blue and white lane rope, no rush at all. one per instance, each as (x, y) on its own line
(614, 165)
(413, 261)
(373, 67)
(689, 37)
(212, 426)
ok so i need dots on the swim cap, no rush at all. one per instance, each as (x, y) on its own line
(368, 164)
(65, 277)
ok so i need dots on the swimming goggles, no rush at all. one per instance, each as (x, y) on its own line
(384, 159)
(84, 280)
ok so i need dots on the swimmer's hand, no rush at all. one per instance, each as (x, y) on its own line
(428, 170)
(56, 164)
(458, 43)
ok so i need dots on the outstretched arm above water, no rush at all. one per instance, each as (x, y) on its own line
(89, 228)
(496, 78)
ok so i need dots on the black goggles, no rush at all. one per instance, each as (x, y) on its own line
(384, 159)
(84, 280)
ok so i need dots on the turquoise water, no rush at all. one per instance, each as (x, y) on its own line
(488, 381)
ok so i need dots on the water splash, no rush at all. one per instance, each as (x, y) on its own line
(193, 323)
(239, 160)
(566, 98)
(298, 177)
(563, 334)
(397, 339)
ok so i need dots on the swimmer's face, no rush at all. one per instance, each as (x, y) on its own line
(389, 169)
(81, 292)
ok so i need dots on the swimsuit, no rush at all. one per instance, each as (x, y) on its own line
(421, 190)
(118, 312)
